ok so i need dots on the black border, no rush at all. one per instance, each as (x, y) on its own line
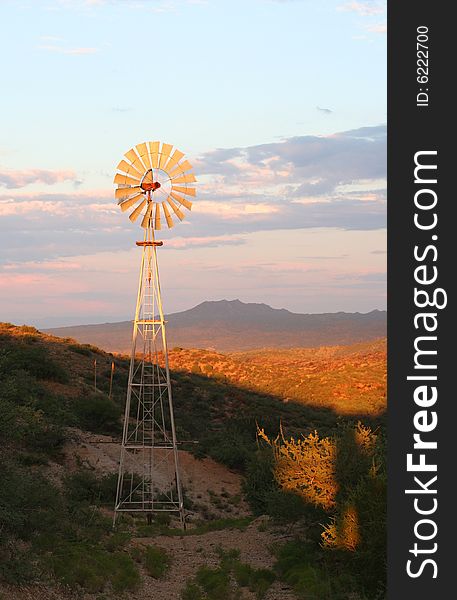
(411, 129)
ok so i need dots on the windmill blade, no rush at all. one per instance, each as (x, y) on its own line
(136, 213)
(147, 217)
(130, 202)
(175, 158)
(165, 154)
(139, 166)
(176, 210)
(148, 177)
(184, 190)
(126, 180)
(142, 150)
(129, 169)
(182, 200)
(157, 224)
(167, 215)
(189, 178)
(154, 154)
(125, 192)
(180, 169)
(131, 155)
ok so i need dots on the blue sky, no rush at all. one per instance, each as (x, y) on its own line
(281, 107)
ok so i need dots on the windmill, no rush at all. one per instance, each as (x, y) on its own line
(153, 181)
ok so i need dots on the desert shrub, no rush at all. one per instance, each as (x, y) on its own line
(97, 413)
(284, 506)
(16, 563)
(92, 568)
(117, 540)
(192, 592)
(345, 476)
(311, 574)
(156, 561)
(27, 501)
(215, 582)
(260, 481)
(307, 467)
(85, 486)
(35, 360)
(80, 349)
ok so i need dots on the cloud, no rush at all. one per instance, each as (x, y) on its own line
(326, 111)
(72, 51)
(301, 166)
(334, 181)
(378, 28)
(13, 179)
(366, 8)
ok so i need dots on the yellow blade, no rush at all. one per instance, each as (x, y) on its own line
(165, 154)
(128, 191)
(142, 150)
(139, 166)
(167, 215)
(126, 180)
(179, 170)
(147, 216)
(184, 190)
(136, 213)
(182, 200)
(148, 178)
(154, 154)
(131, 155)
(190, 178)
(176, 210)
(130, 202)
(175, 158)
(123, 166)
(157, 218)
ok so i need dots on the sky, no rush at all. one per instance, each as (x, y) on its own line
(280, 106)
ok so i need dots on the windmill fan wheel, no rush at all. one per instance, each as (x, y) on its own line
(153, 181)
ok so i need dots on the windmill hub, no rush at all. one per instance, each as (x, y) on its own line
(150, 186)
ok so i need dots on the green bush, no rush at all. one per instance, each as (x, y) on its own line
(192, 592)
(92, 568)
(98, 413)
(284, 506)
(80, 349)
(85, 486)
(215, 582)
(16, 564)
(156, 561)
(260, 481)
(35, 360)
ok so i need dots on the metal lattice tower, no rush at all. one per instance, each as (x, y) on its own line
(149, 479)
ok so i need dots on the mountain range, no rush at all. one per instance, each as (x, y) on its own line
(232, 325)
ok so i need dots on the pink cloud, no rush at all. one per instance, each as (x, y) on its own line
(364, 8)
(51, 265)
(13, 179)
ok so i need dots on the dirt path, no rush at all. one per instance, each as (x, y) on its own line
(191, 552)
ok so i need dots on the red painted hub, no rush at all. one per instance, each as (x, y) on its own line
(150, 187)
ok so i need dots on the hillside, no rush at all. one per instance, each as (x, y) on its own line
(230, 326)
(59, 451)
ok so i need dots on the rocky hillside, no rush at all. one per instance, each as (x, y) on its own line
(59, 450)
